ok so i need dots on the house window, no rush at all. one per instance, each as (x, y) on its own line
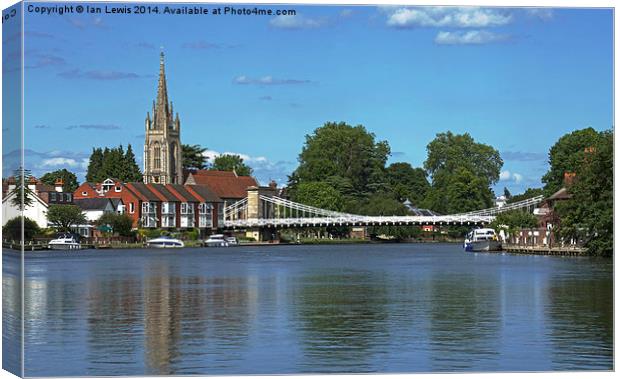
(53, 196)
(68, 197)
(149, 215)
(187, 215)
(117, 189)
(131, 208)
(205, 212)
(168, 213)
(220, 214)
(84, 193)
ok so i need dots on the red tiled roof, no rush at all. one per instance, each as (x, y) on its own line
(225, 184)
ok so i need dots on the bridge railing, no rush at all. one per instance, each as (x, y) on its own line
(509, 207)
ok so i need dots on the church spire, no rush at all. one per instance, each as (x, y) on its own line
(162, 91)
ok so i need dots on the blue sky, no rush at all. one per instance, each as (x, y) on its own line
(514, 78)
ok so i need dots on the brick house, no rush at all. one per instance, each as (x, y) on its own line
(43, 195)
(156, 205)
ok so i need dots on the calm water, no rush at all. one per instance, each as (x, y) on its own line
(308, 309)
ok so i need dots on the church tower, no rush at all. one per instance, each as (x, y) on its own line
(162, 144)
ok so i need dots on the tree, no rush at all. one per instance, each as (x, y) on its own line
(193, 158)
(133, 173)
(22, 195)
(588, 215)
(95, 163)
(63, 216)
(231, 162)
(507, 193)
(113, 163)
(407, 182)
(459, 157)
(466, 192)
(343, 154)
(513, 221)
(68, 178)
(121, 224)
(13, 229)
(320, 195)
(566, 156)
(527, 194)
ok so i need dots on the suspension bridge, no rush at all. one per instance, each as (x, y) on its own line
(270, 211)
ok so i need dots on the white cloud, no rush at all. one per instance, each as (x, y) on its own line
(296, 22)
(457, 17)
(264, 170)
(507, 176)
(268, 80)
(59, 161)
(472, 37)
(544, 14)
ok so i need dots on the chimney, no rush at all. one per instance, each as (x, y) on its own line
(569, 177)
(32, 184)
(58, 185)
(273, 184)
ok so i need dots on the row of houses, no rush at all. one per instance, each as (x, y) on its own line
(199, 203)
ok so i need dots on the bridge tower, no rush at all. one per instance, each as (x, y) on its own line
(257, 208)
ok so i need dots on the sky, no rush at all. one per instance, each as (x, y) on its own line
(514, 78)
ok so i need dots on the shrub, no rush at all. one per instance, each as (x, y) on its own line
(12, 229)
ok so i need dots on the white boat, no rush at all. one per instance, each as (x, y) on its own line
(232, 241)
(64, 242)
(164, 242)
(483, 239)
(219, 240)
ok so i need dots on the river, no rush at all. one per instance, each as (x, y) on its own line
(306, 309)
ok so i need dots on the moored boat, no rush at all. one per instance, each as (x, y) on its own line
(483, 239)
(165, 242)
(64, 242)
(219, 240)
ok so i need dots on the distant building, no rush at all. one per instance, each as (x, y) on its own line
(156, 205)
(500, 201)
(162, 142)
(227, 185)
(43, 195)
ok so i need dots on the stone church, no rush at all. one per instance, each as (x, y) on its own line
(162, 144)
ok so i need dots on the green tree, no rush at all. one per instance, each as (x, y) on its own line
(565, 156)
(95, 163)
(113, 163)
(588, 215)
(230, 162)
(22, 179)
(69, 179)
(13, 229)
(507, 193)
(133, 173)
(458, 157)
(345, 155)
(527, 194)
(466, 192)
(320, 195)
(63, 216)
(121, 224)
(514, 220)
(407, 182)
(193, 158)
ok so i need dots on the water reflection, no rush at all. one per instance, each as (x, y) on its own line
(392, 308)
(576, 318)
(465, 320)
(342, 319)
(11, 312)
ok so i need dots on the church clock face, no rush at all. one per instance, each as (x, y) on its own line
(162, 163)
